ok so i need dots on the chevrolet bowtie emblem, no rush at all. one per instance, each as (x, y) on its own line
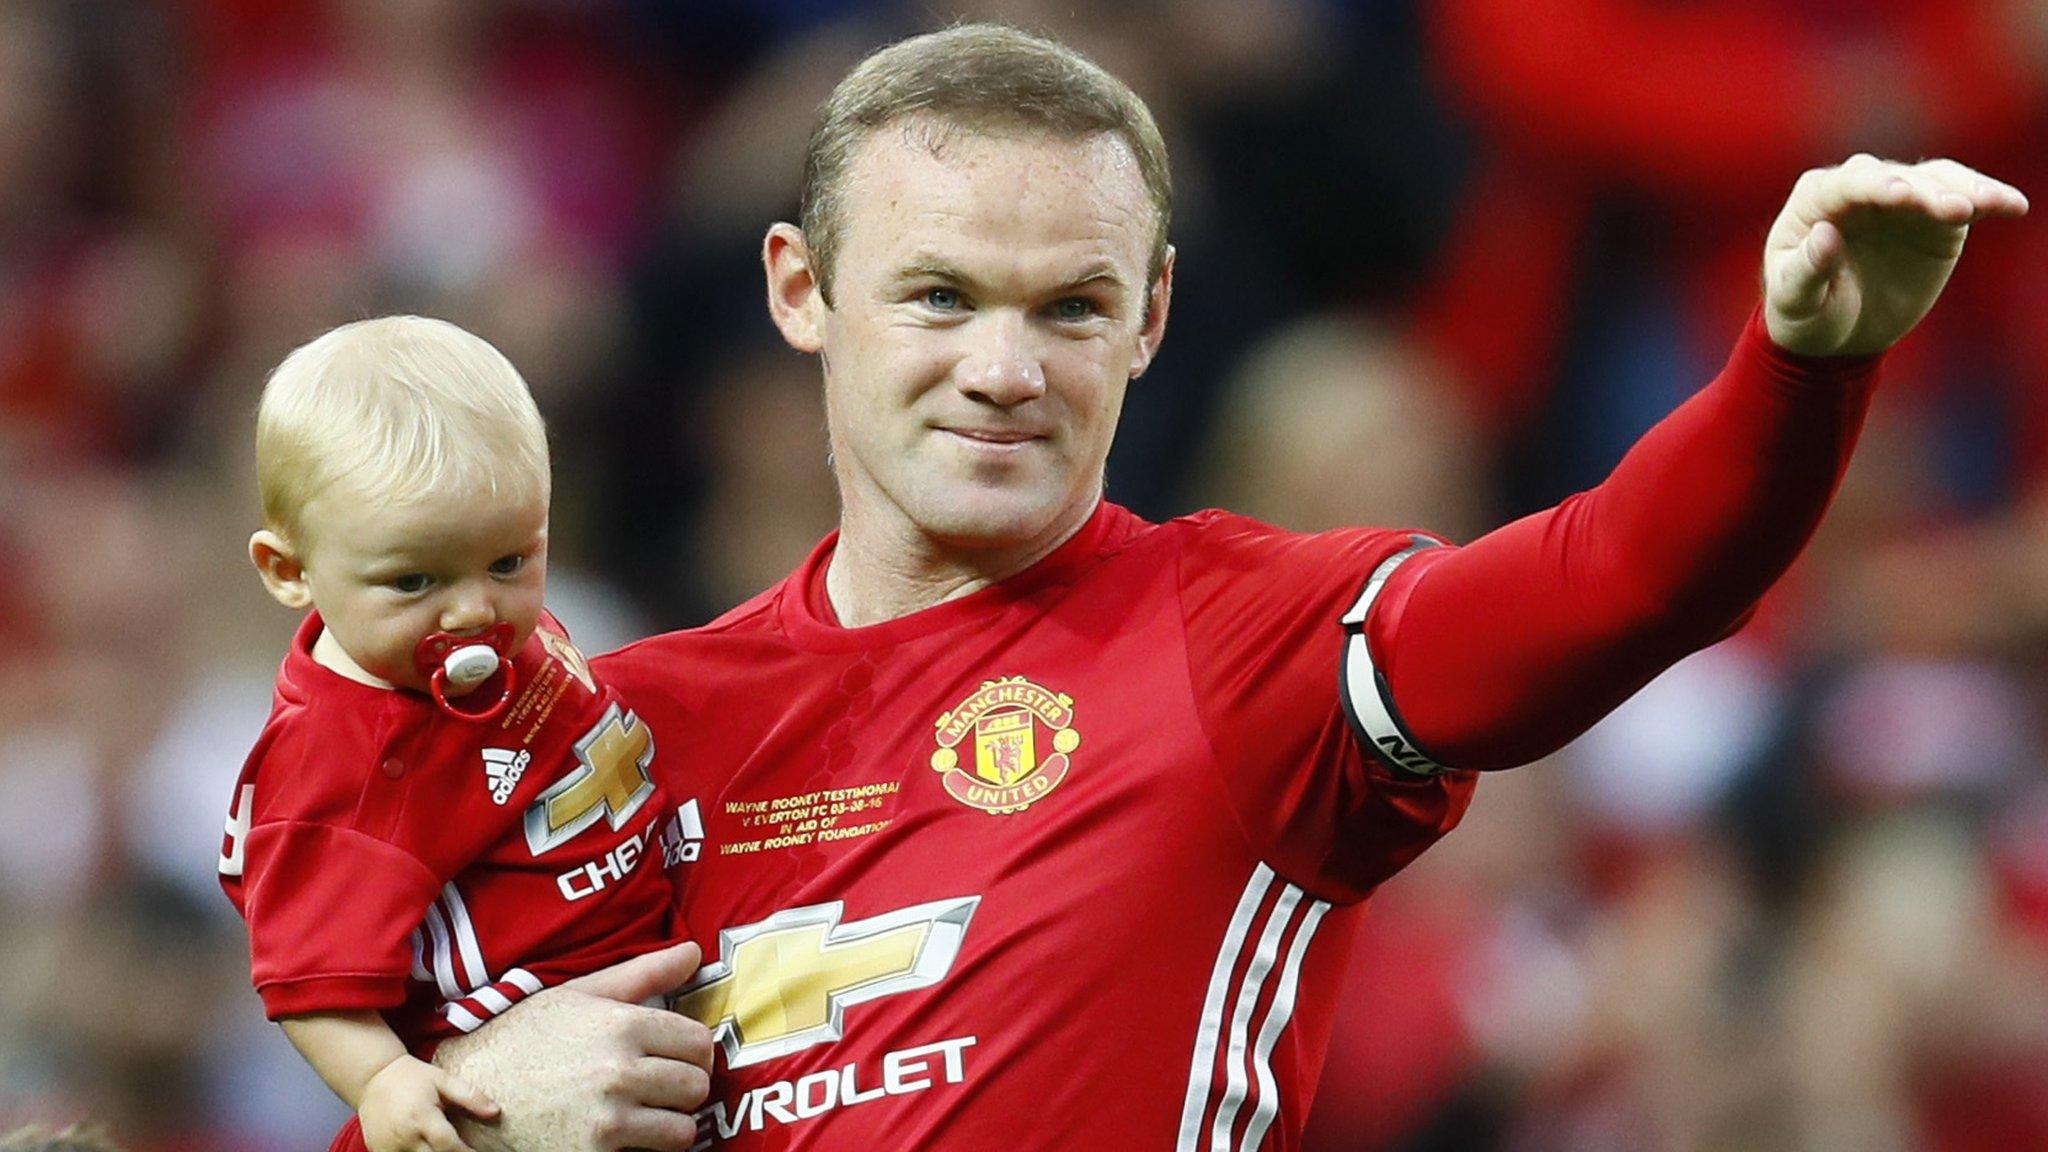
(785, 983)
(610, 783)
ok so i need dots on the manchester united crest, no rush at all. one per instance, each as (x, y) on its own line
(989, 746)
(559, 647)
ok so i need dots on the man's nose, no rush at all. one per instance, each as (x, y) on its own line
(1003, 369)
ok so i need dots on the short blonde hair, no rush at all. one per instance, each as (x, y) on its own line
(986, 79)
(397, 407)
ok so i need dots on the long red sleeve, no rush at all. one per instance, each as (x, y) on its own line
(1502, 651)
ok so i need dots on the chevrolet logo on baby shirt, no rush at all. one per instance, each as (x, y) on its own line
(610, 783)
(785, 983)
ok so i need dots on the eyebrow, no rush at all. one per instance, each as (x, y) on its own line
(919, 268)
(1103, 274)
(923, 268)
(403, 556)
(404, 559)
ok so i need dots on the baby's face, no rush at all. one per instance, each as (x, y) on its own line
(384, 576)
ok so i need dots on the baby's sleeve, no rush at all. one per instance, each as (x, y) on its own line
(331, 914)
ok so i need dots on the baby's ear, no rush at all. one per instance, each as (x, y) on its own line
(283, 575)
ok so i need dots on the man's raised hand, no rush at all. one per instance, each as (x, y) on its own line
(1861, 250)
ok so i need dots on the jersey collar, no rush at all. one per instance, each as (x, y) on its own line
(805, 610)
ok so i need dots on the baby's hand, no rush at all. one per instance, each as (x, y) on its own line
(402, 1108)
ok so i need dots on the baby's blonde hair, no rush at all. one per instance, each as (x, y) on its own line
(397, 408)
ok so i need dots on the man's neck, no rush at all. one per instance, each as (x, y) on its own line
(877, 575)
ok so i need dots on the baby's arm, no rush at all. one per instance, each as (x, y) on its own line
(399, 1098)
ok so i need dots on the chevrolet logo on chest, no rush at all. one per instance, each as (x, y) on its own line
(785, 983)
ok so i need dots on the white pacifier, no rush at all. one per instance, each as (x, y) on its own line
(469, 666)
(458, 664)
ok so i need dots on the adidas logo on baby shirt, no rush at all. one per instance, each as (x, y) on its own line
(503, 768)
(683, 839)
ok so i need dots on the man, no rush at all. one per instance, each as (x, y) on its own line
(1016, 821)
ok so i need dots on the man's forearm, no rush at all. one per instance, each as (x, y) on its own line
(572, 1073)
(586, 1068)
(1502, 651)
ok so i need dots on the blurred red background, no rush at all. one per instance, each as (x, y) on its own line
(1441, 260)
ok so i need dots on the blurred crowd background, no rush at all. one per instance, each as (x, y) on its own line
(1440, 262)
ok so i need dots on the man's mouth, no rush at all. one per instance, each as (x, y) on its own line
(993, 437)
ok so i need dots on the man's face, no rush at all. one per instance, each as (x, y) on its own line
(988, 310)
(384, 577)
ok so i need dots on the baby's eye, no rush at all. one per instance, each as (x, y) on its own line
(507, 565)
(412, 583)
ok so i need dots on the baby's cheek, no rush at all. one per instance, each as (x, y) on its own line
(395, 656)
(526, 615)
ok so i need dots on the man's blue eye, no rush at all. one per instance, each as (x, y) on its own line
(411, 583)
(1074, 308)
(943, 299)
(507, 565)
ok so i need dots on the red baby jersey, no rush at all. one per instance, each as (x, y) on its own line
(388, 856)
(1070, 862)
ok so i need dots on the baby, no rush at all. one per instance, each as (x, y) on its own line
(445, 813)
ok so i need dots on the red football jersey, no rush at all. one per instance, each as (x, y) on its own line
(387, 856)
(1073, 861)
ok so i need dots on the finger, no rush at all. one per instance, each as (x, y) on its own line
(466, 1096)
(1987, 197)
(1946, 192)
(656, 973)
(1807, 275)
(1862, 181)
(653, 1130)
(673, 1036)
(1942, 195)
(670, 1084)
(440, 1136)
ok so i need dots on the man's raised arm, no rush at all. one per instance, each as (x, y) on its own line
(1502, 651)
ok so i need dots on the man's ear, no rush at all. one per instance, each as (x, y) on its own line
(284, 576)
(1158, 299)
(796, 300)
